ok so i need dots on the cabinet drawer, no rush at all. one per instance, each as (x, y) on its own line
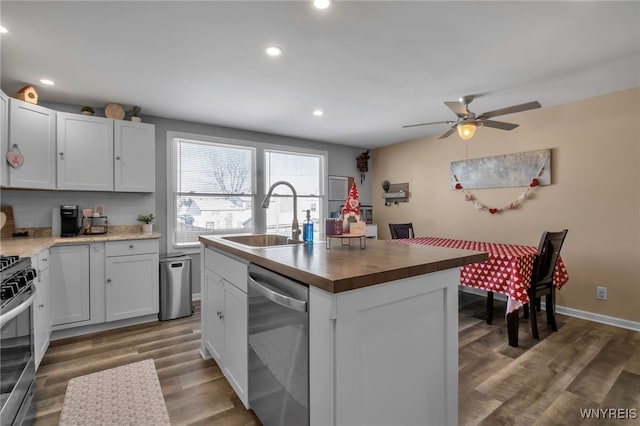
(232, 270)
(124, 248)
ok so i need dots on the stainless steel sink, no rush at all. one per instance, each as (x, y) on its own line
(262, 240)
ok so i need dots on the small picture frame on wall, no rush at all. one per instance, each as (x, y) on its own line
(98, 210)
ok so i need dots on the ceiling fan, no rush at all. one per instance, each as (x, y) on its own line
(467, 121)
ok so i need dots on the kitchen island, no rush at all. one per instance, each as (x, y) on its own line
(383, 326)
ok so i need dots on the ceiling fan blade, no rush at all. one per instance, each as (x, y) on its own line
(448, 133)
(499, 124)
(511, 110)
(459, 109)
(425, 124)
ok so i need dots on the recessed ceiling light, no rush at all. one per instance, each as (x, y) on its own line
(273, 51)
(47, 82)
(318, 113)
(321, 4)
(3, 30)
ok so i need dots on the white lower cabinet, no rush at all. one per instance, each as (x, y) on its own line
(212, 311)
(70, 272)
(385, 354)
(236, 340)
(224, 317)
(92, 284)
(131, 286)
(42, 307)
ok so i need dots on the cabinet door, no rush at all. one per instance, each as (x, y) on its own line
(4, 137)
(85, 152)
(135, 161)
(213, 315)
(42, 316)
(69, 269)
(131, 286)
(235, 341)
(32, 130)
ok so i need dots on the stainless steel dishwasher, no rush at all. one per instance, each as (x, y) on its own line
(278, 348)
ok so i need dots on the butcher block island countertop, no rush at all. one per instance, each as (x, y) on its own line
(346, 268)
(382, 326)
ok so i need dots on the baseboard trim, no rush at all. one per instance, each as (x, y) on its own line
(104, 326)
(196, 296)
(570, 312)
(602, 319)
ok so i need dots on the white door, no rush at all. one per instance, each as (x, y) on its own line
(132, 286)
(235, 342)
(32, 134)
(69, 269)
(213, 315)
(135, 160)
(85, 152)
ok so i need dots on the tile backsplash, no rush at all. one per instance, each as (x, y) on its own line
(36, 208)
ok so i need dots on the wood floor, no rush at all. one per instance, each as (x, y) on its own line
(584, 365)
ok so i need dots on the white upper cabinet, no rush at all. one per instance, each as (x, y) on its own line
(32, 135)
(85, 152)
(134, 163)
(100, 154)
(77, 152)
(4, 137)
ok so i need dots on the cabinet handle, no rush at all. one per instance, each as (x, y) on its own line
(131, 246)
(61, 154)
(108, 280)
(41, 306)
(117, 158)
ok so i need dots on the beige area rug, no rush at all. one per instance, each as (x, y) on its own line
(126, 395)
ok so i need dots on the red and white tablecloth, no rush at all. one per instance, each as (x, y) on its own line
(508, 270)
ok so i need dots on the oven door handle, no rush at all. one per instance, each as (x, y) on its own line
(279, 298)
(5, 318)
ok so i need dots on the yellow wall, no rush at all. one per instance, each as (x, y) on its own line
(595, 193)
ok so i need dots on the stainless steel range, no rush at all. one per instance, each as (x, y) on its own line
(17, 359)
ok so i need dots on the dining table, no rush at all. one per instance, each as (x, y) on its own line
(507, 271)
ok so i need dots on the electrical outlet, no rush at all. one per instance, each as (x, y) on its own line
(601, 293)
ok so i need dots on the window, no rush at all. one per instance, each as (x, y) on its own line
(216, 187)
(306, 170)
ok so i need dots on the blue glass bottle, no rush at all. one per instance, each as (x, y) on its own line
(307, 229)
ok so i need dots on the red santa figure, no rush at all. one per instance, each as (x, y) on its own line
(351, 211)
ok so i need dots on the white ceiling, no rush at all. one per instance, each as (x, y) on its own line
(372, 66)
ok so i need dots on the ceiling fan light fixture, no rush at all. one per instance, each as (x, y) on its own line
(466, 130)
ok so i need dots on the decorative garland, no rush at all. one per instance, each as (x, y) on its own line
(479, 206)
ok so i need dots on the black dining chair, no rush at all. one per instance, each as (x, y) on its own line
(542, 279)
(541, 283)
(401, 230)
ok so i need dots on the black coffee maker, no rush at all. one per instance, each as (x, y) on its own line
(69, 220)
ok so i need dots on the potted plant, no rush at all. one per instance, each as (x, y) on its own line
(135, 114)
(87, 110)
(147, 220)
